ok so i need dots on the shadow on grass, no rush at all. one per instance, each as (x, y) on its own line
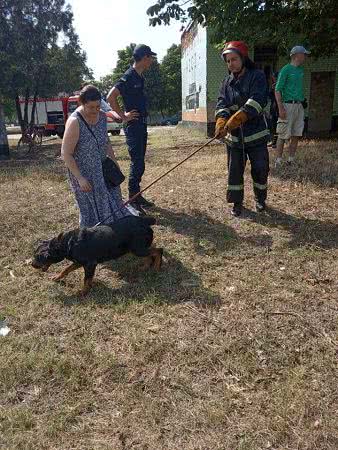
(209, 235)
(305, 231)
(174, 284)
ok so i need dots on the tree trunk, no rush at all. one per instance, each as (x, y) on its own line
(19, 113)
(33, 109)
(4, 148)
(25, 113)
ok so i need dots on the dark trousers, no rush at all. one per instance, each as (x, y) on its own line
(259, 159)
(136, 137)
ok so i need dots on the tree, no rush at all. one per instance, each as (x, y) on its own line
(124, 60)
(105, 83)
(172, 80)
(9, 110)
(281, 23)
(29, 34)
(4, 147)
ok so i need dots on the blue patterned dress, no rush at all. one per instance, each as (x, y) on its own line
(101, 202)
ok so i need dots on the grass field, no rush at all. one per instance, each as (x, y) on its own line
(232, 346)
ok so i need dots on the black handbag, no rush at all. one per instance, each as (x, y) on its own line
(112, 174)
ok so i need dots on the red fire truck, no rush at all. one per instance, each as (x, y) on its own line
(51, 114)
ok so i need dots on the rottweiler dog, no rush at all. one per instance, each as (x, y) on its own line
(88, 247)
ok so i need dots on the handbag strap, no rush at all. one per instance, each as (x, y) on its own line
(80, 116)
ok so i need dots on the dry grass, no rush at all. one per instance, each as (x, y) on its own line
(232, 346)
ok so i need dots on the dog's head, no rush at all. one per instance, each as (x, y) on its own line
(48, 252)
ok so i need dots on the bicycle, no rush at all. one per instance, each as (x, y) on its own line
(30, 141)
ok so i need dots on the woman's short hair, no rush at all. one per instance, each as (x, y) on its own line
(89, 93)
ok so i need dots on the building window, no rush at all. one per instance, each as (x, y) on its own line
(192, 101)
(192, 88)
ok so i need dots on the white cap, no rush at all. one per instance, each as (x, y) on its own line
(299, 49)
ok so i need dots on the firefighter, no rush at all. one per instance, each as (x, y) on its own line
(241, 122)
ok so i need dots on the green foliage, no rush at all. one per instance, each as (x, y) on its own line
(9, 109)
(105, 83)
(273, 22)
(172, 80)
(124, 61)
(64, 70)
(31, 59)
(162, 81)
(154, 88)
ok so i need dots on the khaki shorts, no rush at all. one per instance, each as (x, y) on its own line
(294, 123)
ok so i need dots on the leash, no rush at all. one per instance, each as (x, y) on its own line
(134, 197)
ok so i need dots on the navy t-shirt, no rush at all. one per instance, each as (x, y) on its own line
(131, 87)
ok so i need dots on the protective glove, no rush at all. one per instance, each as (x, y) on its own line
(220, 129)
(237, 120)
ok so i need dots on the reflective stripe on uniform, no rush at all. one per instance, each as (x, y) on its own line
(258, 135)
(251, 102)
(234, 108)
(226, 110)
(235, 187)
(262, 187)
(229, 137)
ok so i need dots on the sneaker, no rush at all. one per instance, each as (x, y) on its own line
(142, 202)
(260, 206)
(237, 209)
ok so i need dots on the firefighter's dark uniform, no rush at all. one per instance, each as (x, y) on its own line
(247, 93)
(131, 87)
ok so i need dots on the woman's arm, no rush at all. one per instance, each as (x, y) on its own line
(70, 139)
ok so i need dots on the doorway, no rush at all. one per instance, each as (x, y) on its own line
(321, 101)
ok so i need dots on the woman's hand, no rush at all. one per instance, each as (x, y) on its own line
(131, 115)
(85, 186)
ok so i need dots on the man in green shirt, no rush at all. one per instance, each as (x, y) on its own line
(290, 97)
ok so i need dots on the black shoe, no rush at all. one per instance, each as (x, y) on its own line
(237, 209)
(260, 207)
(142, 202)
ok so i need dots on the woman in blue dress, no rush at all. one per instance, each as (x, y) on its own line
(83, 152)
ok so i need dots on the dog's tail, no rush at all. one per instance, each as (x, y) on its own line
(148, 220)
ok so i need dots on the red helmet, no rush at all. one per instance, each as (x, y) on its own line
(236, 46)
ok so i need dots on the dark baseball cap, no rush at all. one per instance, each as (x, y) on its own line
(142, 50)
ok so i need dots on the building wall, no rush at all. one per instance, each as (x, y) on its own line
(203, 71)
(194, 76)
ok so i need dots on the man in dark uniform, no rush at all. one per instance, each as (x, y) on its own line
(131, 88)
(240, 121)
